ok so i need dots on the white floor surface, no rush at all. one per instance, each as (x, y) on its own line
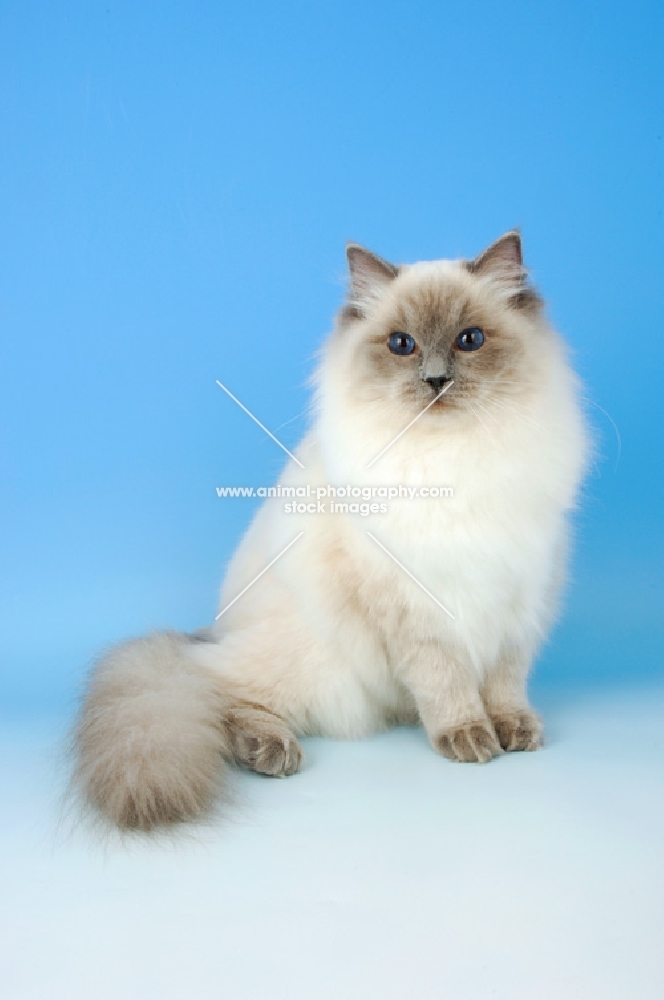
(382, 871)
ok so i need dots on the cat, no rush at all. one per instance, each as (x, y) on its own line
(428, 613)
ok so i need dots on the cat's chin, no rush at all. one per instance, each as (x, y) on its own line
(416, 402)
(441, 404)
(432, 405)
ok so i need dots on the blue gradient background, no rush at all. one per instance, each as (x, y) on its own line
(178, 183)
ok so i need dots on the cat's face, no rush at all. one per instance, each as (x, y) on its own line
(460, 328)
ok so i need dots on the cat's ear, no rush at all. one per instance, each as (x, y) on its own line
(503, 261)
(369, 275)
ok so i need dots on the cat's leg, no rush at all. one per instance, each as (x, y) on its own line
(446, 691)
(261, 741)
(517, 726)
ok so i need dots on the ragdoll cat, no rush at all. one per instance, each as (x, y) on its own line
(428, 613)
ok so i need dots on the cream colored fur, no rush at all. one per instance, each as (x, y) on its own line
(335, 639)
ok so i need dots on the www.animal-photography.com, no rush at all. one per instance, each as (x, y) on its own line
(332, 631)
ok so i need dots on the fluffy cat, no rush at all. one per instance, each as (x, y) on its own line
(429, 613)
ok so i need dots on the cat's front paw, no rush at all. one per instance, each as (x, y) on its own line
(470, 743)
(276, 755)
(521, 730)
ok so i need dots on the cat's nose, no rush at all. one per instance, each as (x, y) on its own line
(437, 381)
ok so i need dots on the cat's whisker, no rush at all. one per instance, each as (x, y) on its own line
(486, 411)
(608, 416)
(297, 416)
(474, 411)
(506, 406)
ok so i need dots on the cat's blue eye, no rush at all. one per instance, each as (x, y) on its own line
(470, 339)
(401, 343)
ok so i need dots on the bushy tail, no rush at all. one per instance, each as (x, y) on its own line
(150, 739)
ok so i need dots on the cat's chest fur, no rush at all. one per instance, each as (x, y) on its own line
(488, 550)
(499, 481)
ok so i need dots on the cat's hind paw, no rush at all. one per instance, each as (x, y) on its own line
(521, 730)
(470, 743)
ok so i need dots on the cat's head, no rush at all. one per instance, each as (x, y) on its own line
(469, 327)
